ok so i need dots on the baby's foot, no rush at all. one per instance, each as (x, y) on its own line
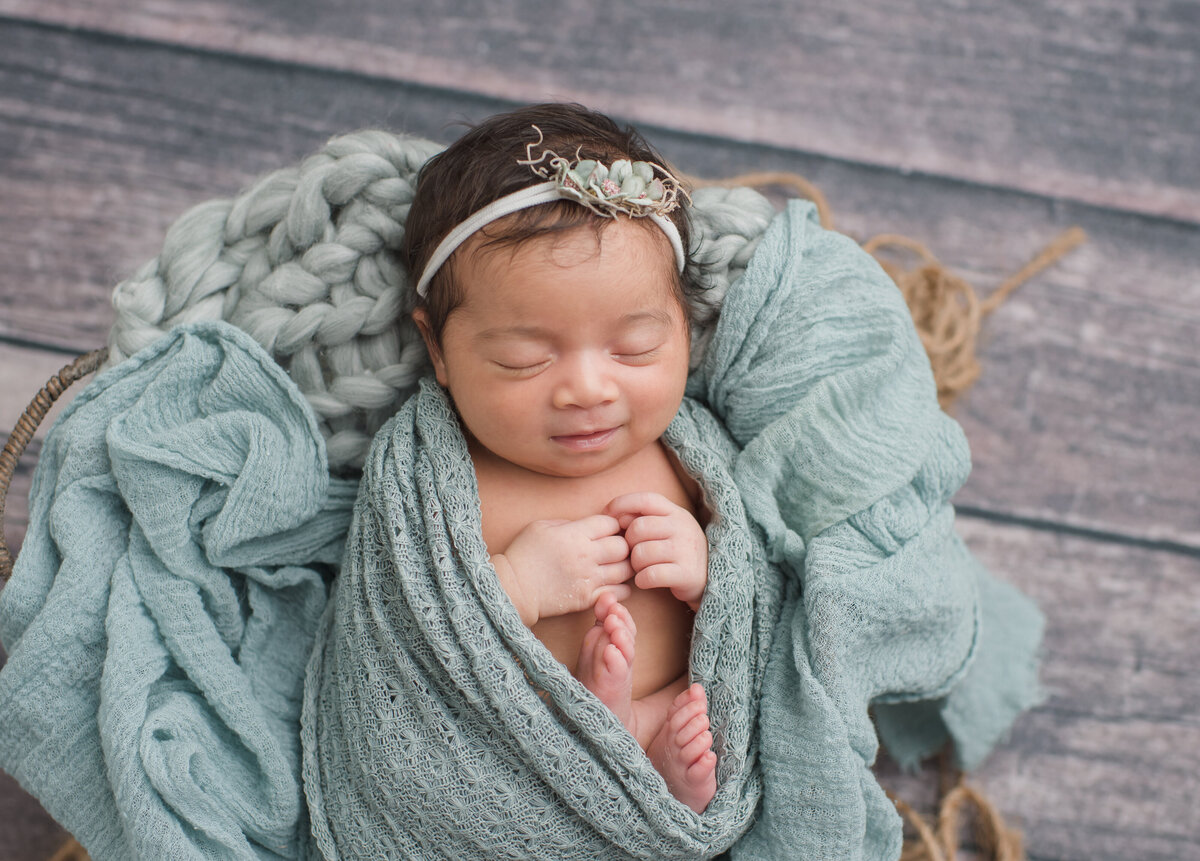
(682, 751)
(606, 658)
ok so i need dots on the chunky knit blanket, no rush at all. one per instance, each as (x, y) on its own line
(436, 726)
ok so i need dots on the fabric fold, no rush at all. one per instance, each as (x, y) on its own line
(161, 613)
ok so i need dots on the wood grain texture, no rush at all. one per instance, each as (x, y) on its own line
(27, 833)
(16, 506)
(982, 129)
(23, 371)
(1088, 412)
(1108, 768)
(1092, 101)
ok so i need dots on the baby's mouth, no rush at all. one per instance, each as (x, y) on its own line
(586, 441)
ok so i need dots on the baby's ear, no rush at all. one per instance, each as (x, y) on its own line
(421, 318)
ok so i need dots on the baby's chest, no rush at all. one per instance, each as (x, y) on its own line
(509, 503)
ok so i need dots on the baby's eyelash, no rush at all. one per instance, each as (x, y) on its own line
(641, 354)
(521, 368)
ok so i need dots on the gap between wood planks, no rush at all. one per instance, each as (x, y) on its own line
(1103, 535)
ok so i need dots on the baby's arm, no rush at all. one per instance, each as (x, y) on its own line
(554, 567)
(667, 547)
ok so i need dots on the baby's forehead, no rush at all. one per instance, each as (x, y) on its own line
(638, 244)
(582, 280)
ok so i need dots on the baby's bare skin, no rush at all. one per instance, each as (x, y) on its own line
(512, 499)
(671, 725)
(650, 695)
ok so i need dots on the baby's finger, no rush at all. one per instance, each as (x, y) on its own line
(605, 602)
(661, 576)
(615, 572)
(646, 553)
(620, 592)
(649, 527)
(611, 548)
(598, 526)
(642, 502)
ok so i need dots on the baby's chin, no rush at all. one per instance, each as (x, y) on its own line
(575, 467)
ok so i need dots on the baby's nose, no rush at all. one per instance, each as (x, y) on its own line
(585, 382)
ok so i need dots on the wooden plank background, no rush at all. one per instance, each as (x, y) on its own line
(982, 129)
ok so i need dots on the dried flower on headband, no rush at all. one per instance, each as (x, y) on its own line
(635, 188)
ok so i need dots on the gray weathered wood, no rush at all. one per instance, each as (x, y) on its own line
(23, 371)
(1093, 101)
(16, 507)
(1088, 410)
(27, 833)
(1108, 768)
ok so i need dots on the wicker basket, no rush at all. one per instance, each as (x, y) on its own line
(27, 426)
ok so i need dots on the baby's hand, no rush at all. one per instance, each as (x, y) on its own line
(667, 547)
(554, 567)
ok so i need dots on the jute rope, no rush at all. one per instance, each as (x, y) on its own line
(947, 313)
(70, 851)
(940, 841)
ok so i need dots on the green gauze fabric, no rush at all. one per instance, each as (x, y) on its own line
(162, 609)
(436, 726)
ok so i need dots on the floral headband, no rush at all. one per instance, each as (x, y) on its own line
(638, 189)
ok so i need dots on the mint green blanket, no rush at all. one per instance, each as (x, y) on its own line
(170, 592)
(182, 526)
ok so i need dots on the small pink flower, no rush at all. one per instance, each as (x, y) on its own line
(610, 188)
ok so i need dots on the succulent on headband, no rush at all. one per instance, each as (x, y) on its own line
(635, 188)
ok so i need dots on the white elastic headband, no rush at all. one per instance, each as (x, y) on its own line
(544, 192)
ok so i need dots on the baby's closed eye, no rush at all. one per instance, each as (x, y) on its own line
(521, 359)
(638, 351)
(522, 366)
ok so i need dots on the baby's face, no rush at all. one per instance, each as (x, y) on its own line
(566, 357)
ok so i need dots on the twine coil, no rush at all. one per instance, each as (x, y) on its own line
(947, 313)
(941, 840)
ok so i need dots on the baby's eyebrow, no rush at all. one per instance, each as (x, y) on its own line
(495, 334)
(539, 333)
(657, 316)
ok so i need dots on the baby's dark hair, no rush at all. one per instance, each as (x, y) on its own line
(481, 167)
